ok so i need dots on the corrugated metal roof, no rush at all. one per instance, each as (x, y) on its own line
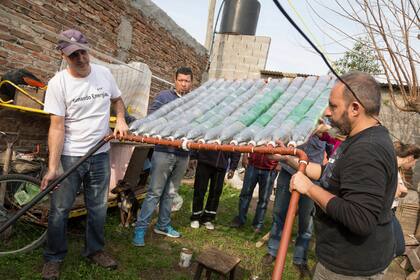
(242, 111)
(281, 74)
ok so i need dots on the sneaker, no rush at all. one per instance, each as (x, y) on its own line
(195, 224)
(209, 225)
(236, 223)
(51, 270)
(138, 239)
(169, 231)
(103, 259)
(268, 259)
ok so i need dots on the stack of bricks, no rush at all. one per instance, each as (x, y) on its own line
(238, 56)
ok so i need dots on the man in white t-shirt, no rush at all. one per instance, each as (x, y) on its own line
(79, 99)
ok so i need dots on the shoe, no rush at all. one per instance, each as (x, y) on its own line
(268, 259)
(104, 260)
(169, 231)
(195, 224)
(138, 239)
(303, 269)
(236, 223)
(209, 225)
(51, 270)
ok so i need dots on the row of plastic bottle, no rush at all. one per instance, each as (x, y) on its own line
(196, 111)
(213, 133)
(242, 111)
(303, 130)
(295, 111)
(142, 125)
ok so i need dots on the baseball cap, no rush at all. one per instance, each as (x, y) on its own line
(66, 38)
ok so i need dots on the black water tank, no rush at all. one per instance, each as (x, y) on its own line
(240, 17)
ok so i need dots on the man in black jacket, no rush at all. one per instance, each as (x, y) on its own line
(211, 167)
(352, 222)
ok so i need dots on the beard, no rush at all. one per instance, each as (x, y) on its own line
(342, 124)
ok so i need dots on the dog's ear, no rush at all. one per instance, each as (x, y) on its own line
(119, 187)
(115, 190)
(126, 186)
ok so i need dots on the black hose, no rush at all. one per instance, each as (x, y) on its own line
(283, 11)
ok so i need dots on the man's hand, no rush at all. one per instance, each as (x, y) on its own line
(48, 177)
(121, 128)
(322, 127)
(280, 143)
(300, 183)
(278, 157)
(245, 161)
(230, 174)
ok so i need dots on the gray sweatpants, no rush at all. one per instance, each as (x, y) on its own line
(323, 273)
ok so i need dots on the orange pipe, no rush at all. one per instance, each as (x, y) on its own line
(217, 147)
(303, 161)
(288, 224)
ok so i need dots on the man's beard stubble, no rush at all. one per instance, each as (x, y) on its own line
(343, 124)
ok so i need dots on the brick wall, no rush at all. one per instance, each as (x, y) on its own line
(130, 30)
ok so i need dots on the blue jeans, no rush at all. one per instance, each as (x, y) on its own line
(94, 173)
(166, 175)
(281, 204)
(265, 180)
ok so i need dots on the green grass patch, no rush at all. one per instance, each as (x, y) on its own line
(158, 260)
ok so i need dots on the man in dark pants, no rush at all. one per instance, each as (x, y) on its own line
(211, 167)
(353, 218)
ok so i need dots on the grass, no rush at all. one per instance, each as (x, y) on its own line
(158, 260)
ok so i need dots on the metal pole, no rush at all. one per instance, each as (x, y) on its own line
(52, 185)
(210, 22)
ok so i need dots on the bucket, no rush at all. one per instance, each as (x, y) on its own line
(185, 258)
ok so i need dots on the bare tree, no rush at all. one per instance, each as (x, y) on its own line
(392, 28)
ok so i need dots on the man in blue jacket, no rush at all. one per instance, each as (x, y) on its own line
(168, 168)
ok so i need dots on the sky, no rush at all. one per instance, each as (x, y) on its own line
(289, 52)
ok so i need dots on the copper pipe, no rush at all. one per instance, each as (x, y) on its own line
(216, 147)
(303, 161)
(288, 224)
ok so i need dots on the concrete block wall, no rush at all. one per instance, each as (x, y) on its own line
(129, 30)
(238, 56)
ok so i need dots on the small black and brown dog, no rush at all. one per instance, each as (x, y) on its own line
(127, 202)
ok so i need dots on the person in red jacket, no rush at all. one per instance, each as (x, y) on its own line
(261, 170)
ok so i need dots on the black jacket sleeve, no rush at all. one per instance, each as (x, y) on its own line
(362, 190)
(234, 160)
(194, 154)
